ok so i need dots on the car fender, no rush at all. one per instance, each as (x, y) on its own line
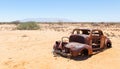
(107, 41)
(77, 48)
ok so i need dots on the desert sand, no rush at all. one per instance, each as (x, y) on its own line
(32, 49)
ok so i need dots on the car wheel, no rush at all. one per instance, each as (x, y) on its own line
(84, 52)
(109, 45)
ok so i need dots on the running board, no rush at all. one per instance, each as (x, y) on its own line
(96, 49)
(62, 53)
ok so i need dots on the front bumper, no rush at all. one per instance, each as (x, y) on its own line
(62, 53)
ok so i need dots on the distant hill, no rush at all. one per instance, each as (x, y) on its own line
(46, 20)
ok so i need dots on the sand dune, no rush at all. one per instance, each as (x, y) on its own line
(33, 50)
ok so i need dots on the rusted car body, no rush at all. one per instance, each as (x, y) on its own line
(82, 42)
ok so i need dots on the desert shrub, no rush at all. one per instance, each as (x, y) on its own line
(112, 34)
(107, 34)
(14, 22)
(24, 35)
(28, 26)
(60, 23)
(95, 24)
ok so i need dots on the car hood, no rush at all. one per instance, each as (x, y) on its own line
(75, 45)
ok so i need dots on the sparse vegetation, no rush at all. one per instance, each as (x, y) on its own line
(28, 26)
(24, 35)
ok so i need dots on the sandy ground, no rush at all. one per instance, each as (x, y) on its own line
(33, 50)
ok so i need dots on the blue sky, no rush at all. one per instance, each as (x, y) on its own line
(75, 10)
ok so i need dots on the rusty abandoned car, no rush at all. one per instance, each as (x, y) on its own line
(82, 42)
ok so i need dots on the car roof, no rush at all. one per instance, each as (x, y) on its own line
(87, 29)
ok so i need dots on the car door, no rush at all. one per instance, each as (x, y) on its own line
(102, 39)
(96, 39)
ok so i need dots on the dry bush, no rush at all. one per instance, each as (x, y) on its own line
(107, 34)
(24, 35)
(28, 26)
